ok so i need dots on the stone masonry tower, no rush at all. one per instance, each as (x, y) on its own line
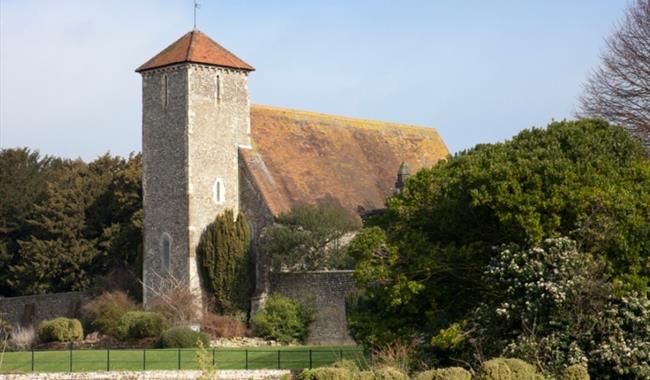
(195, 117)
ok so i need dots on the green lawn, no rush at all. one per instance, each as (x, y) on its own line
(158, 359)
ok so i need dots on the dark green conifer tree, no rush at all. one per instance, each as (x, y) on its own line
(56, 257)
(22, 185)
(224, 257)
(69, 225)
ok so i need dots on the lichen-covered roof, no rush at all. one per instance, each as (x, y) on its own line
(195, 47)
(305, 157)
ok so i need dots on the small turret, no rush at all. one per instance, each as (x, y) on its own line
(402, 174)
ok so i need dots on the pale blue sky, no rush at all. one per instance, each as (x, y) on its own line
(478, 71)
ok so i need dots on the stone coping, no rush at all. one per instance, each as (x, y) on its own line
(333, 271)
(267, 374)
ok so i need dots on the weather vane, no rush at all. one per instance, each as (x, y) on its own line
(196, 6)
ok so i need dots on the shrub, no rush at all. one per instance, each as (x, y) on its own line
(183, 337)
(389, 373)
(309, 237)
(397, 354)
(103, 313)
(142, 324)
(225, 263)
(623, 351)
(60, 330)
(326, 373)
(550, 295)
(451, 373)
(23, 338)
(366, 375)
(5, 327)
(224, 326)
(507, 369)
(174, 300)
(347, 364)
(282, 319)
(348, 370)
(575, 372)
(449, 339)
(557, 309)
(204, 362)
(495, 369)
(520, 369)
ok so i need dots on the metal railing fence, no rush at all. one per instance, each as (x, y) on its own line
(76, 360)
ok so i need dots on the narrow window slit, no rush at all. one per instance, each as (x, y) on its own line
(166, 252)
(165, 91)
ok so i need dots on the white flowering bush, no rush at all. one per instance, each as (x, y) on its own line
(624, 344)
(539, 280)
(551, 305)
(537, 294)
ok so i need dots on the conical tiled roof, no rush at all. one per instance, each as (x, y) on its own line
(195, 47)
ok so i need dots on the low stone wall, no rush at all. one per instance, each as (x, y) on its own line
(150, 375)
(31, 310)
(327, 289)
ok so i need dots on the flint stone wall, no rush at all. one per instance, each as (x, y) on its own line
(327, 290)
(195, 118)
(31, 310)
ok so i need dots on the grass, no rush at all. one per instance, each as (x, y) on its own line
(173, 359)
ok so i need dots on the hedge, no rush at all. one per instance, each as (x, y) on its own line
(60, 330)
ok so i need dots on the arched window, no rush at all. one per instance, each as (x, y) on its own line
(166, 252)
(218, 191)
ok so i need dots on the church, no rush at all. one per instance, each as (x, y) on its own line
(207, 149)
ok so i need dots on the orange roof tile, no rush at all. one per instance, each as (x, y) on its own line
(195, 47)
(304, 157)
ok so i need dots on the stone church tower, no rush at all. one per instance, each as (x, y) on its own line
(196, 117)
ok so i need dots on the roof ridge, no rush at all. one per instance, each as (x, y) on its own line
(345, 118)
(190, 45)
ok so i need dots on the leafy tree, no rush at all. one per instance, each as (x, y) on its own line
(309, 238)
(421, 268)
(619, 90)
(224, 255)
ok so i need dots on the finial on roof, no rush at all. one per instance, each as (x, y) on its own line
(196, 6)
(404, 169)
(402, 174)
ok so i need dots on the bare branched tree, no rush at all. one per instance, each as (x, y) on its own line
(619, 90)
(174, 299)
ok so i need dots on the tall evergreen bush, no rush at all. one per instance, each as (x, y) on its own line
(223, 253)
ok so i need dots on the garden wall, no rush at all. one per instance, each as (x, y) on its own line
(31, 310)
(327, 289)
